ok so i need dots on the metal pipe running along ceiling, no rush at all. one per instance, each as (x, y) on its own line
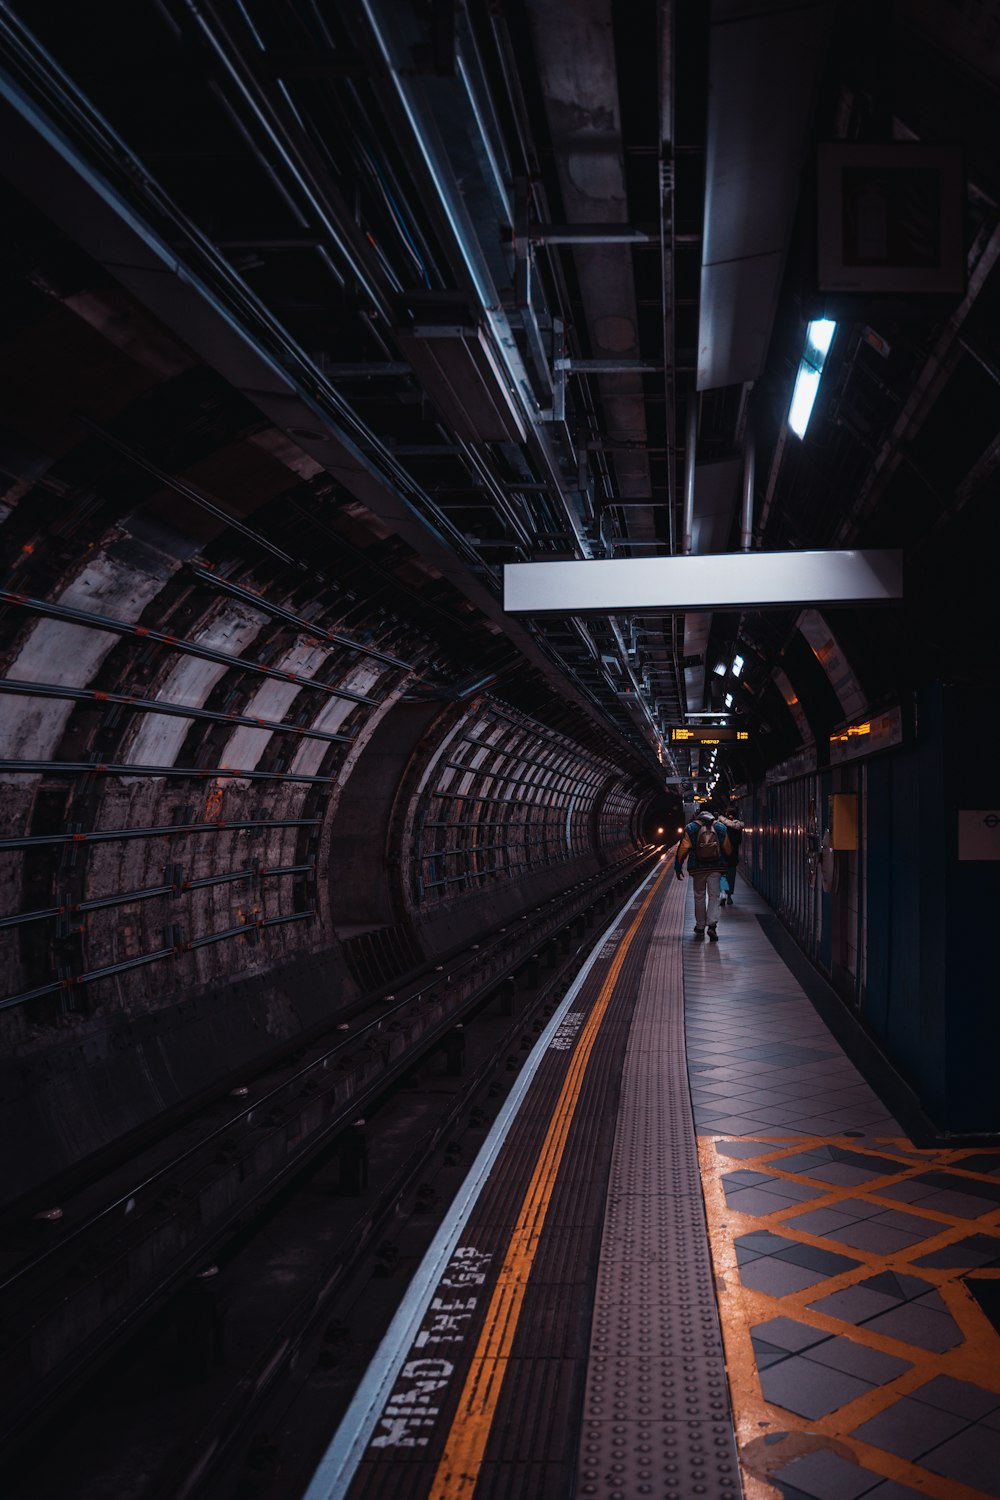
(730, 580)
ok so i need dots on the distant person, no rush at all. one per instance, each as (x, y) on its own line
(706, 843)
(727, 882)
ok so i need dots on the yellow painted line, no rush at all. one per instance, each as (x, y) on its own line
(742, 1308)
(458, 1470)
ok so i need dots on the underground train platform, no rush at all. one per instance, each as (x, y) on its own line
(575, 1329)
(447, 446)
(695, 1254)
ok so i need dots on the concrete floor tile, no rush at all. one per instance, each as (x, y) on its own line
(918, 1325)
(733, 1125)
(754, 1201)
(857, 1359)
(739, 1149)
(909, 1428)
(970, 1457)
(958, 1396)
(879, 1239)
(789, 1334)
(824, 1475)
(779, 1278)
(853, 1305)
(808, 1389)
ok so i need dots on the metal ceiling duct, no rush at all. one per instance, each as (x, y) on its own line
(460, 373)
(765, 63)
(574, 49)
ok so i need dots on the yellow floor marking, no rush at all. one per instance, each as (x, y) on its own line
(458, 1469)
(976, 1359)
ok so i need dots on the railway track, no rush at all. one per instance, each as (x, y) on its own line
(179, 1382)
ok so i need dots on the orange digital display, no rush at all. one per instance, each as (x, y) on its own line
(709, 736)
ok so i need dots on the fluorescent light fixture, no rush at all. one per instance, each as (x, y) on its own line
(719, 669)
(819, 336)
(729, 700)
(737, 665)
(705, 713)
(803, 397)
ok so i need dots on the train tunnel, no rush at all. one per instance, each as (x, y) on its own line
(325, 327)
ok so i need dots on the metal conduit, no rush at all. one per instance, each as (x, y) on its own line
(102, 768)
(189, 493)
(149, 958)
(204, 575)
(690, 448)
(177, 643)
(146, 893)
(531, 760)
(167, 830)
(158, 706)
(129, 191)
(746, 515)
(534, 732)
(450, 200)
(286, 148)
(563, 782)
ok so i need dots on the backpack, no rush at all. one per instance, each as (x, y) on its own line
(707, 849)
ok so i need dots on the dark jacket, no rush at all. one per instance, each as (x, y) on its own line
(689, 845)
(735, 839)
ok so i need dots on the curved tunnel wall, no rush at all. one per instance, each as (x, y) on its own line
(224, 819)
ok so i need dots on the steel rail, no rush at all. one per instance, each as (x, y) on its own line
(310, 627)
(146, 893)
(124, 769)
(159, 706)
(74, 981)
(165, 830)
(111, 626)
(207, 575)
(547, 910)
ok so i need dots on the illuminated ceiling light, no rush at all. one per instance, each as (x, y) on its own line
(819, 336)
(737, 665)
(729, 700)
(719, 669)
(803, 397)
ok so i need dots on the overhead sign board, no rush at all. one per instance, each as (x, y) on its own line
(880, 732)
(725, 580)
(704, 735)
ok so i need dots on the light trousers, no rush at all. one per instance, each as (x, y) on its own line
(706, 892)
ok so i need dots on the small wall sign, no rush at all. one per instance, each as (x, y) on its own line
(979, 833)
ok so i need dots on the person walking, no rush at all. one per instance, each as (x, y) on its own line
(727, 883)
(708, 849)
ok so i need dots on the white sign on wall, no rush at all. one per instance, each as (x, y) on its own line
(979, 834)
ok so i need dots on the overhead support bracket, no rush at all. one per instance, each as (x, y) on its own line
(729, 580)
(591, 234)
(609, 367)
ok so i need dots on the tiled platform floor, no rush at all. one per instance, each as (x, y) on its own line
(847, 1261)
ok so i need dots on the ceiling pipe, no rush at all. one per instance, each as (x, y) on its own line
(687, 524)
(430, 149)
(749, 466)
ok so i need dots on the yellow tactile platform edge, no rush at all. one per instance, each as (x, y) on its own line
(976, 1359)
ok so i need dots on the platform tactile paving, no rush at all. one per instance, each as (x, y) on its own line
(656, 1405)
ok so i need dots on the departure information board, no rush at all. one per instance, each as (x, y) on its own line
(880, 732)
(702, 735)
